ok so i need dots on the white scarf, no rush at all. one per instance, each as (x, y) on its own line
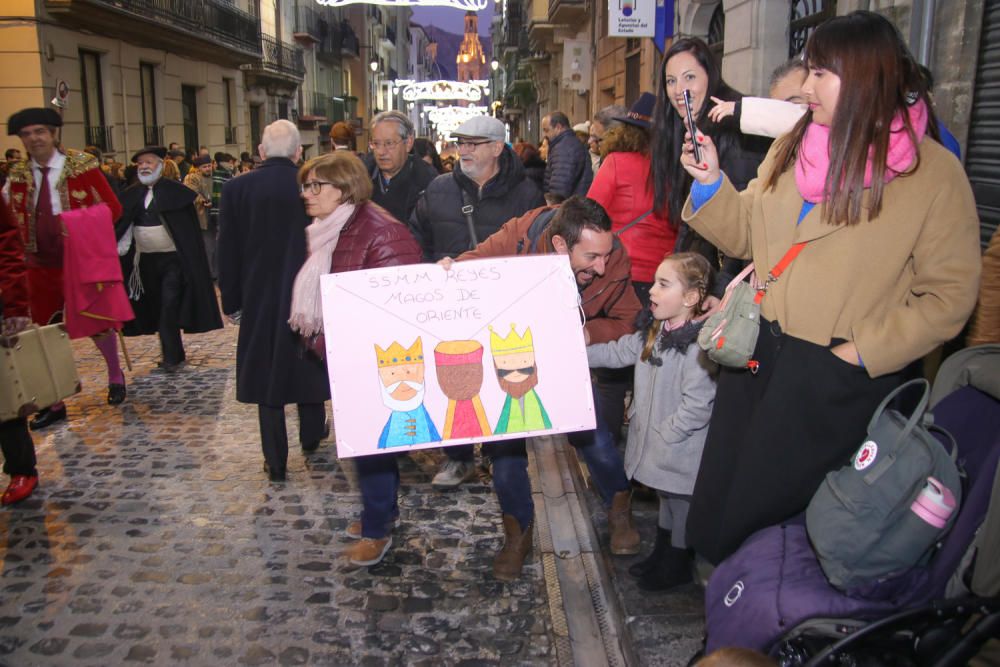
(321, 238)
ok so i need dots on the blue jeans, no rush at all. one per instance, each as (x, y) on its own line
(510, 468)
(378, 476)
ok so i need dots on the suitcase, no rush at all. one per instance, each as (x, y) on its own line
(36, 370)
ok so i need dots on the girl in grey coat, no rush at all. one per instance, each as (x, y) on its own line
(671, 405)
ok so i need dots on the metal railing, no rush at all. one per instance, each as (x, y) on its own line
(319, 104)
(307, 21)
(231, 135)
(152, 135)
(280, 58)
(213, 20)
(100, 137)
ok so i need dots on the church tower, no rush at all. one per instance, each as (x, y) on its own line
(470, 61)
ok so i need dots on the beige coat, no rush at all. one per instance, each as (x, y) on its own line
(897, 286)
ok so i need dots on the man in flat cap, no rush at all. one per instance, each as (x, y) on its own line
(199, 179)
(486, 188)
(48, 181)
(165, 267)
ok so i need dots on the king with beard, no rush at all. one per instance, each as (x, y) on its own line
(514, 361)
(164, 263)
(401, 372)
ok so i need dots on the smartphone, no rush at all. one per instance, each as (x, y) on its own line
(691, 127)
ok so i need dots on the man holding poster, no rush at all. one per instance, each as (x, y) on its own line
(579, 228)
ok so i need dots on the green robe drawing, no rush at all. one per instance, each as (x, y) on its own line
(524, 414)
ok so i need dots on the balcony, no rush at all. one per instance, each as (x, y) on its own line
(231, 136)
(389, 37)
(100, 137)
(212, 30)
(280, 62)
(338, 42)
(316, 107)
(567, 12)
(152, 135)
(308, 26)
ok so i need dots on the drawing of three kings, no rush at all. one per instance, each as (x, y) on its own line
(459, 366)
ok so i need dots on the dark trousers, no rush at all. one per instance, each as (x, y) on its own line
(210, 236)
(18, 448)
(378, 477)
(773, 437)
(510, 468)
(163, 281)
(274, 434)
(610, 384)
(461, 453)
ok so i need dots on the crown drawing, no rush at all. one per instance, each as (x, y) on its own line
(396, 354)
(512, 344)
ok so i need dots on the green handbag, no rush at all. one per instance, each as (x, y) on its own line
(729, 335)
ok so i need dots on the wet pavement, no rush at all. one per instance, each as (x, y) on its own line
(155, 538)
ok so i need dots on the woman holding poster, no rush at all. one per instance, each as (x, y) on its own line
(348, 233)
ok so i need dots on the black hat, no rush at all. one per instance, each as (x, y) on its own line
(641, 113)
(158, 151)
(33, 116)
(201, 160)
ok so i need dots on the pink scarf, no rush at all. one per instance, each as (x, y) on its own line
(321, 238)
(814, 153)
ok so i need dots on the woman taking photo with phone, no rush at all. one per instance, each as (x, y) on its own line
(688, 65)
(888, 271)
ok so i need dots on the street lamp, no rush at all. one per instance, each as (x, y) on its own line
(494, 64)
(373, 64)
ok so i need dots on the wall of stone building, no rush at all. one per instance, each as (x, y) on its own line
(24, 78)
(954, 57)
(120, 63)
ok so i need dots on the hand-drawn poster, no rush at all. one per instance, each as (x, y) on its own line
(422, 357)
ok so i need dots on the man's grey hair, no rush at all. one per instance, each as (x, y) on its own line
(606, 116)
(786, 68)
(281, 139)
(403, 123)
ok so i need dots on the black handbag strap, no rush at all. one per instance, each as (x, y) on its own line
(468, 210)
(633, 223)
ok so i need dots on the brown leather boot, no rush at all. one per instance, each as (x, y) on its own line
(516, 547)
(624, 537)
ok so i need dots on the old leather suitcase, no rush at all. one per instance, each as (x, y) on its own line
(36, 370)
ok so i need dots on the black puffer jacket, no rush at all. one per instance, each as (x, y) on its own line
(568, 171)
(441, 228)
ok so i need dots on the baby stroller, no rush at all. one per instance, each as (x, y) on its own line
(772, 595)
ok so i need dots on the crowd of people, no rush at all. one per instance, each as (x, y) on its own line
(886, 268)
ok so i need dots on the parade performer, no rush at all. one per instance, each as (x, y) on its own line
(165, 266)
(39, 188)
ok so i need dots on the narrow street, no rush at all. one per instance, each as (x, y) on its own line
(155, 538)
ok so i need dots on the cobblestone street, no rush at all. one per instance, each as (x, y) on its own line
(155, 538)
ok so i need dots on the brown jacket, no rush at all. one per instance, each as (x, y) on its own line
(609, 302)
(897, 286)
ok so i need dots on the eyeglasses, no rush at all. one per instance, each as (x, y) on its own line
(504, 372)
(462, 143)
(379, 145)
(314, 187)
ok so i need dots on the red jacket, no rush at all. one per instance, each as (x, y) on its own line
(609, 302)
(13, 287)
(81, 184)
(623, 188)
(372, 238)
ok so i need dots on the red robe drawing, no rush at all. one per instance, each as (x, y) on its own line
(460, 376)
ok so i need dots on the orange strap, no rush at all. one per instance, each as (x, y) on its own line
(779, 268)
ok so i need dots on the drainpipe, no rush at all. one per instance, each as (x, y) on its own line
(121, 72)
(926, 36)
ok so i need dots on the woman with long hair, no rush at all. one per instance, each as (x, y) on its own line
(689, 65)
(887, 265)
(624, 187)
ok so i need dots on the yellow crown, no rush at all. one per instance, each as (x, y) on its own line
(512, 344)
(396, 354)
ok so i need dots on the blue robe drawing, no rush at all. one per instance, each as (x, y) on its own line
(408, 428)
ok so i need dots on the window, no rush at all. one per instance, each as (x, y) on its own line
(147, 90)
(93, 100)
(228, 92)
(717, 33)
(805, 16)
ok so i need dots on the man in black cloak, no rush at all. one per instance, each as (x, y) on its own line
(164, 263)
